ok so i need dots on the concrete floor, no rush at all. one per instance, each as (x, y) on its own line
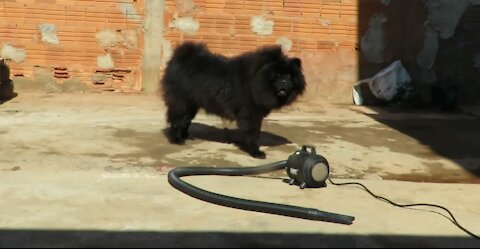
(85, 170)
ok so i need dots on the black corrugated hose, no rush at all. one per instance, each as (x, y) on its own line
(249, 205)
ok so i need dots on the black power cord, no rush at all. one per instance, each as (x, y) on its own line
(453, 220)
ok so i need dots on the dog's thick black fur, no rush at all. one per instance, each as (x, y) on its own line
(245, 88)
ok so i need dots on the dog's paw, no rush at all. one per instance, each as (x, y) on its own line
(189, 137)
(178, 141)
(259, 154)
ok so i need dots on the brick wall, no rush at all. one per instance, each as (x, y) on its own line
(309, 24)
(225, 25)
(325, 33)
(75, 56)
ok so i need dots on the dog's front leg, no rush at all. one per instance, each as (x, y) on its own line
(250, 125)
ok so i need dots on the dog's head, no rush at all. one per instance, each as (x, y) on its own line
(282, 81)
(287, 78)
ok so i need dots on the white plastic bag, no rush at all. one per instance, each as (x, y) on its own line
(384, 84)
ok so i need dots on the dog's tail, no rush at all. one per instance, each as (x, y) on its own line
(189, 49)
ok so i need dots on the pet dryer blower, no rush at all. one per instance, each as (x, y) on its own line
(305, 169)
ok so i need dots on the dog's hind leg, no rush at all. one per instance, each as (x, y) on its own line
(179, 116)
(190, 114)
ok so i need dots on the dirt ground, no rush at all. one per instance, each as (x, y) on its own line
(127, 131)
(91, 167)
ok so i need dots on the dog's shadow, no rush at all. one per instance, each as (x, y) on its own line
(231, 136)
(7, 98)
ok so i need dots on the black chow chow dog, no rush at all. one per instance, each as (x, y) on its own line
(245, 89)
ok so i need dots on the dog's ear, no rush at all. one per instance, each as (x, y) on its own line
(268, 71)
(273, 76)
(297, 62)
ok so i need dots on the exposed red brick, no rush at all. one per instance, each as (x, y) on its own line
(224, 27)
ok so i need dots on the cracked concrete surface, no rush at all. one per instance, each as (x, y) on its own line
(98, 162)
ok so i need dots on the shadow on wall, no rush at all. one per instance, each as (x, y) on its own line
(438, 43)
(146, 239)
